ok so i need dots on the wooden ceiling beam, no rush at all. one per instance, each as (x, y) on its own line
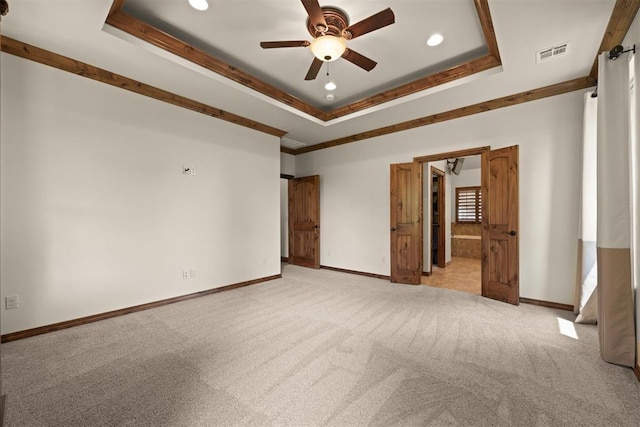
(116, 7)
(287, 150)
(137, 28)
(494, 104)
(452, 74)
(45, 57)
(624, 11)
(482, 8)
(167, 42)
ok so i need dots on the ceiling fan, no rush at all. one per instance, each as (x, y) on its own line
(330, 29)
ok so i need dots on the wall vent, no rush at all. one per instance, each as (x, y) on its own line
(552, 52)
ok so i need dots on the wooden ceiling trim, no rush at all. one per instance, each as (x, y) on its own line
(460, 71)
(116, 7)
(624, 11)
(452, 154)
(164, 41)
(482, 7)
(454, 73)
(32, 53)
(287, 150)
(506, 101)
(154, 36)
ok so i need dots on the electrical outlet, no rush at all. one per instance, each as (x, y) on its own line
(192, 272)
(192, 171)
(185, 274)
(11, 302)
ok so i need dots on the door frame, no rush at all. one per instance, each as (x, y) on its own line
(444, 156)
(286, 229)
(442, 243)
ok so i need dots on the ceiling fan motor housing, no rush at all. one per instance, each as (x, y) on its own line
(337, 20)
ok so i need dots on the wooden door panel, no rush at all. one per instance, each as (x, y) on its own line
(304, 221)
(406, 238)
(499, 196)
(500, 275)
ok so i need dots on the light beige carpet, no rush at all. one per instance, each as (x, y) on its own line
(320, 347)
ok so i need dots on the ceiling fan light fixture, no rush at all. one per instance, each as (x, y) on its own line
(200, 5)
(435, 39)
(328, 48)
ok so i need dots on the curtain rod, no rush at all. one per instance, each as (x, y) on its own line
(613, 55)
(619, 50)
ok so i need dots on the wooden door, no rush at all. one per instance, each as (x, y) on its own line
(500, 225)
(406, 233)
(304, 221)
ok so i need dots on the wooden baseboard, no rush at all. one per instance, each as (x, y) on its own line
(284, 259)
(359, 273)
(121, 312)
(547, 304)
(636, 370)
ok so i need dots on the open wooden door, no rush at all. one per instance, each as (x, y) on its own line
(304, 221)
(500, 275)
(406, 233)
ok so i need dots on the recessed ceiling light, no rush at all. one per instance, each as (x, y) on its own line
(435, 39)
(199, 4)
(330, 85)
(330, 97)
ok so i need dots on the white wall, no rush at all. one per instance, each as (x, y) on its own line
(287, 164)
(96, 212)
(633, 37)
(355, 188)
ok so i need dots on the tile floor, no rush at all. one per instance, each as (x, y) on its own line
(463, 274)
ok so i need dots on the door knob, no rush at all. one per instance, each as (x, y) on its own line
(393, 229)
(510, 233)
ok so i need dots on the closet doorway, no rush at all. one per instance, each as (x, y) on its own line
(437, 219)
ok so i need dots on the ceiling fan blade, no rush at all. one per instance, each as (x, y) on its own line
(315, 13)
(292, 43)
(314, 69)
(372, 23)
(359, 60)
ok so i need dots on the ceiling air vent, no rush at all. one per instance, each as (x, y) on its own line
(291, 143)
(552, 52)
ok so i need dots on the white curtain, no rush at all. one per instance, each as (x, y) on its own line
(585, 303)
(634, 137)
(616, 326)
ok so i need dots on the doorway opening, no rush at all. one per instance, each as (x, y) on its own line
(434, 218)
(499, 204)
(452, 237)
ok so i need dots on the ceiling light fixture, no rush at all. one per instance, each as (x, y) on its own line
(330, 97)
(328, 48)
(435, 39)
(199, 4)
(330, 84)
